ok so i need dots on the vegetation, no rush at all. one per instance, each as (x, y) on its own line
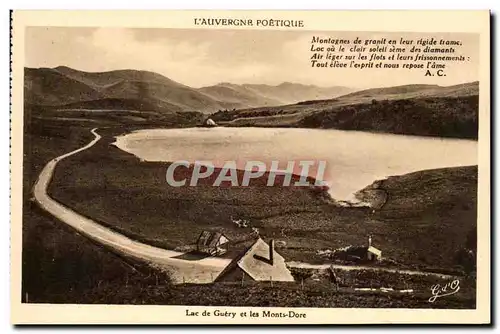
(132, 197)
(62, 85)
(427, 220)
(115, 112)
(59, 265)
(292, 295)
(424, 110)
(455, 117)
(440, 117)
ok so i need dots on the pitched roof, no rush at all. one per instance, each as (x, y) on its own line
(253, 263)
(374, 250)
(209, 239)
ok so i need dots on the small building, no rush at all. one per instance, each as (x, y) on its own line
(259, 262)
(213, 243)
(372, 253)
(209, 123)
(358, 253)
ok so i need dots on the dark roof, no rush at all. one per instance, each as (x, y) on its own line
(234, 263)
(209, 239)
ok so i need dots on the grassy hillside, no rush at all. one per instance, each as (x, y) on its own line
(441, 117)
(239, 95)
(417, 226)
(100, 80)
(414, 110)
(254, 95)
(289, 92)
(415, 91)
(178, 98)
(322, 295)
(59, 265)
(46, 86)
(440, 206)
(358, 97)
(133, 197)
(119, 104)
(127, 113)
(63, 85)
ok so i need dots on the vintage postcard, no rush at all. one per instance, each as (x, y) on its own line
(250, 167)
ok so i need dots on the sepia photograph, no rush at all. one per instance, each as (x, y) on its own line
(245, 161)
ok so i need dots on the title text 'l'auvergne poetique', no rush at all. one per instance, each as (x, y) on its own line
(248, 22)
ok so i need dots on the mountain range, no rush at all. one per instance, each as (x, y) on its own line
(64, 86)
(151, 99)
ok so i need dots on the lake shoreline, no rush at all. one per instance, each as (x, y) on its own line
(113, 175)
(346, 171)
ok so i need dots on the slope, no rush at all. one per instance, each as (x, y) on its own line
(241, 96)
(293, 92)
(46, 86)
(413, 109)
(64, 85)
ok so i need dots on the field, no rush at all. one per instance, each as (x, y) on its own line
(277, 295)
(132, 197)
(59, 264)
(425, 221)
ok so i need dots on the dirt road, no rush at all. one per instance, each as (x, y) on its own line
(346, 267)
(180, 270)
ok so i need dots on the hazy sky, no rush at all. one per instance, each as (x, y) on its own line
(206, 57)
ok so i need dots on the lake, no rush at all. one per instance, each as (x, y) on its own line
(353, 159)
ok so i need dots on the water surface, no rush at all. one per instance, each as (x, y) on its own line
(353, 159)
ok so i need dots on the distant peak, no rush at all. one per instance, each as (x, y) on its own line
(226, 84)
(66, 68)
(62, 67)
(293, 84)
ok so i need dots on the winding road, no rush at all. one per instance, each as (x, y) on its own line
(180, 270)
